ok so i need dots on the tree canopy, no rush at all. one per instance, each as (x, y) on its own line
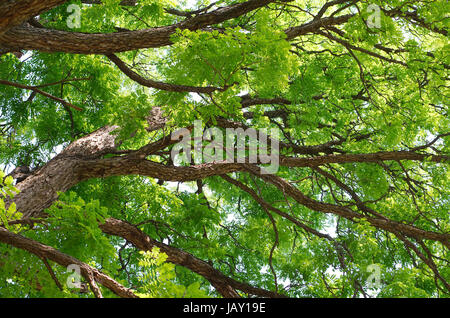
(353, 92)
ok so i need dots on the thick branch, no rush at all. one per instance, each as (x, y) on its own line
(315, 25)
(130, 3)
(15, 12)
(48, 252)
(369, 157)
(82, 160)
(247, 101)
(222, 283)
(46, 40)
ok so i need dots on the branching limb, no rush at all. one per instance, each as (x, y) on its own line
(91, 274)
(225, 285)
(384, 224)
(15, 12)
(38, 91)
(161, 85)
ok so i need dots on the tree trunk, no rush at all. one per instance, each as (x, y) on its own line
(40, 190)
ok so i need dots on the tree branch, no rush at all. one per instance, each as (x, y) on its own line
(47, 40)
(142, 241)
(385, 224)
(48, 252)
(37, 90)
(161, 85)
(15, 12)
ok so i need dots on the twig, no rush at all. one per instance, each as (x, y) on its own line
(37, 90)
(52, 273)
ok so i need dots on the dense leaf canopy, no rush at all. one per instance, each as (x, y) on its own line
(355, 92)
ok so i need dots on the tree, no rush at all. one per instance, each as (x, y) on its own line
(353, 92)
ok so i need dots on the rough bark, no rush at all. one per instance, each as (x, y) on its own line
(15, 12)
(225, 286)
(46, 40)
(315, 25)
(369, 157)
(48, 252)
(39, 190)
(82, 160)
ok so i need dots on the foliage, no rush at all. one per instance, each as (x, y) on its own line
(7, 190)
(158, 276)
(341, 96)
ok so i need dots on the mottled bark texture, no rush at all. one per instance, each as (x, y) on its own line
(91, 274)
(39, 190)
(15, 12)
(83, 160)
(225, 286)
(31, 38)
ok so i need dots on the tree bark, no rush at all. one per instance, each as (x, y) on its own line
(48, 252)
(40, 190)
(15, 12)
(46, 40)
(84, 159)
(226, 286)
(27, 37)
